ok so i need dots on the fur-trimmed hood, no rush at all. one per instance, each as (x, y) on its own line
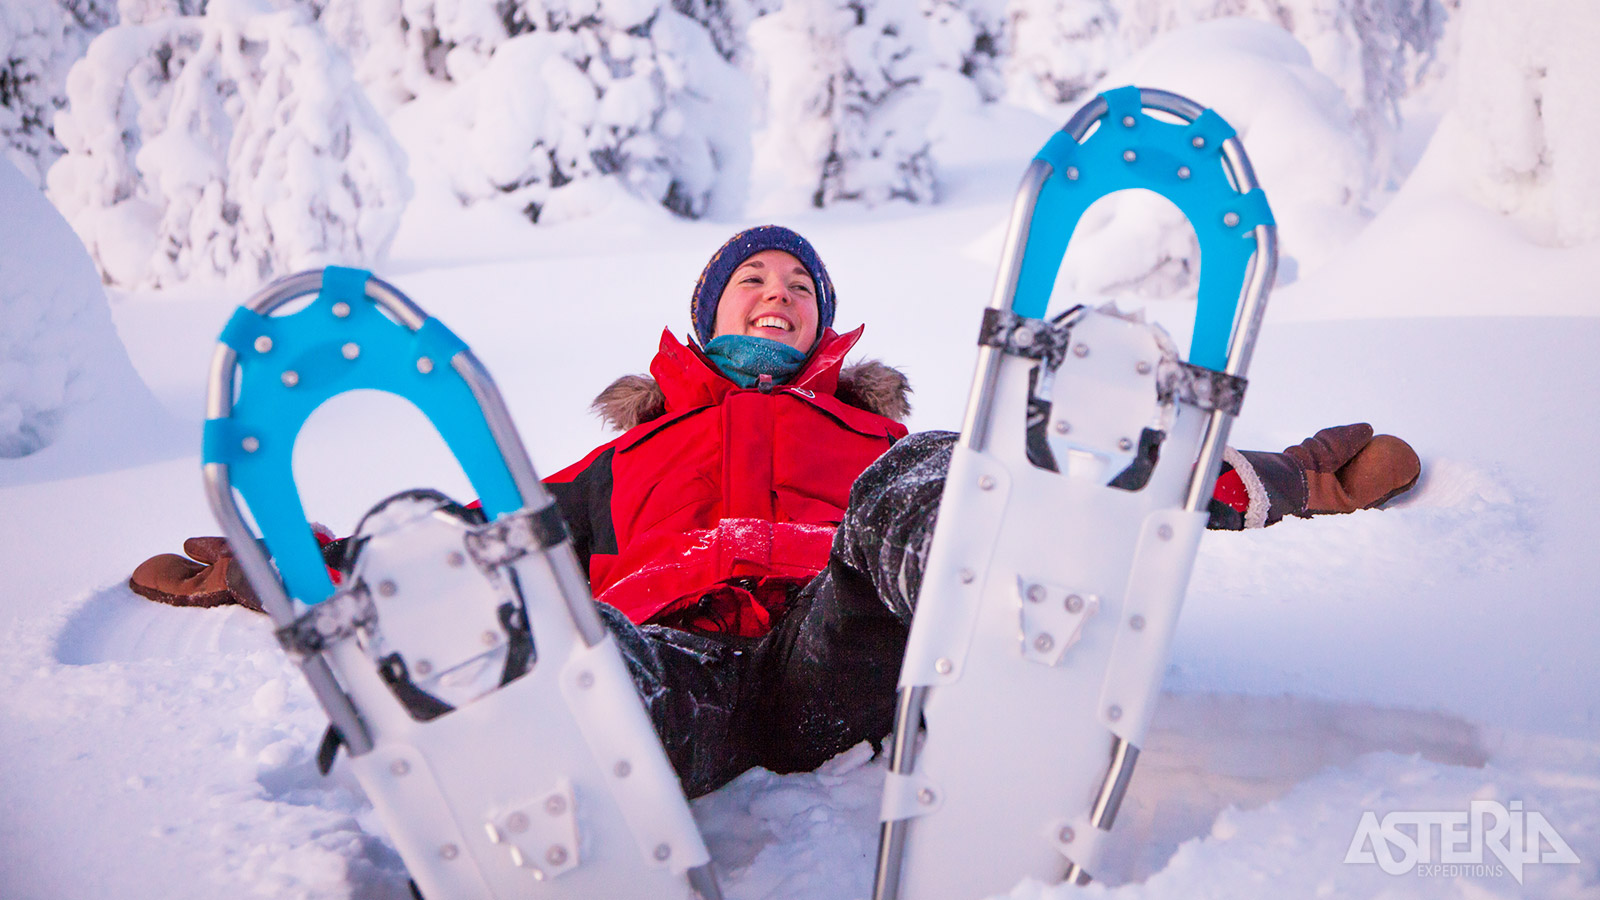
(870, 385)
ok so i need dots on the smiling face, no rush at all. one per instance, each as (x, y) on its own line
(770, 295)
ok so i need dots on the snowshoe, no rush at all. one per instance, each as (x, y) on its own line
(485, 708)
(1075, 503)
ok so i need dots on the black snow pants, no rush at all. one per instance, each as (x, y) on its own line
(824, 678)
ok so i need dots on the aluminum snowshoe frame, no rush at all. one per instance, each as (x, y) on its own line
(569, 756)
(971, 585)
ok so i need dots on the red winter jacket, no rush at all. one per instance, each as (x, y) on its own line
(713, 511)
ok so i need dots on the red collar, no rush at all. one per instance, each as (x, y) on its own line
(689, 380)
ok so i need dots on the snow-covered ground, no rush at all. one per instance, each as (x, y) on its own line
(1414, 659)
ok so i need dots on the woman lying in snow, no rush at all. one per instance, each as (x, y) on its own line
(756, 536)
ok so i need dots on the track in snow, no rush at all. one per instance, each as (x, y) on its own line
(117, 625)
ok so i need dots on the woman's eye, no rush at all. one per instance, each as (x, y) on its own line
(802, 287)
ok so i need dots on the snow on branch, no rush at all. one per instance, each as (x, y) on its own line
(727, 21)
(1293, 121)
(1376, 51)
(970, 38)
(234, 145)
(847, 115)
(551, 105)
(1059, 49)
(39, 40)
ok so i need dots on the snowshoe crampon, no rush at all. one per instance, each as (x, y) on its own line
(1075, 503)
(485, 708)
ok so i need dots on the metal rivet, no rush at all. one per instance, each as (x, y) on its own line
(387, 588)
(399, 767)
(1081, 350)
(556, 805)
(494, 834)
(1043, 643)
(1022, 337)
(1128, 121)
(926, 796)
(1124, 444)
(1062, 427)
(1230, 219)
(1183, 173)
(290, 378)
(1136, 623)
(490, 639)
(1129, 156)
(1067, 834)
(663, 852)
(967, 576)
(1198, 141)
(449, 851)
(1114, 713)
(424, 365)
(423, 667)
(341, 309)
(263, 344)
(623, 769)
(1036, 593)
(350, 351)
(986, 482)
(1072, 173)
(556, 855)
(586, 680)
(250, 444)
(944, 666)
(1143, 368)
(1164, 532)
(1074, 603)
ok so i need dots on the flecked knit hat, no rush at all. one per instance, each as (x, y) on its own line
(742, 246)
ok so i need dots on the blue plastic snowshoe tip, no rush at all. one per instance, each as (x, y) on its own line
(292, 364)
(1183, 162)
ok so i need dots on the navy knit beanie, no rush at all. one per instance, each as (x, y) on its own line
(742, 246)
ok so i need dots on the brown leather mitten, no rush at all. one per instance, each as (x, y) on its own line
(1347, 468)
(209, 577)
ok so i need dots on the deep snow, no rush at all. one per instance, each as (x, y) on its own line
(1415, 658)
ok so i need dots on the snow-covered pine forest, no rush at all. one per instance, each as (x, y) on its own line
(190, 140)
(549, 177)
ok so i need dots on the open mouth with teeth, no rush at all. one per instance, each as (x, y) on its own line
(777, 323)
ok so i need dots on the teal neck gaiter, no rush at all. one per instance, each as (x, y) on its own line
(745, 358)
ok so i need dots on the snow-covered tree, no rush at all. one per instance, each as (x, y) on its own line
(727, 21)
(39, 40)
(970, 37)
(1059, 49)
(1375, 50)
(1303, 143)
(530, 96)
(1525, 106)
(403, 48)
(847, 115)
(138, 12)
(234, 144)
